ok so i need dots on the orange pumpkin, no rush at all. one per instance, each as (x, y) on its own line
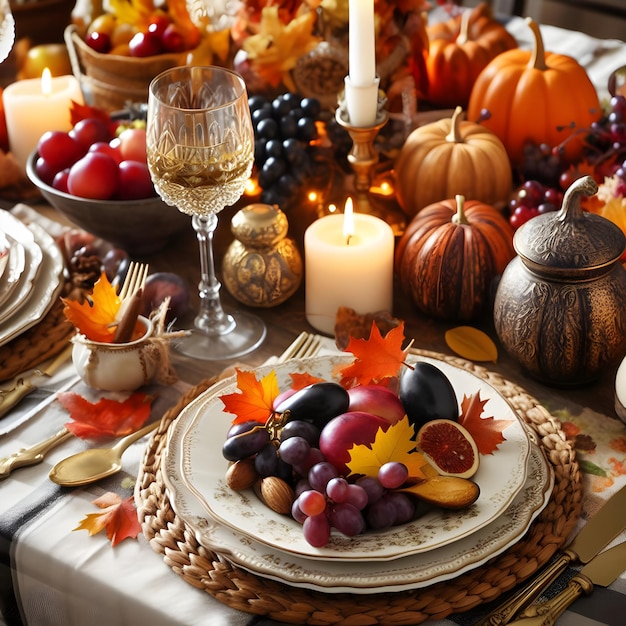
(450, 156)
(459, 50)
(449, 256)
(535, 96)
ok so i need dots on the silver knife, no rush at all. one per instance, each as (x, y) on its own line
(23, 385)
(602, 528)
(601, 571)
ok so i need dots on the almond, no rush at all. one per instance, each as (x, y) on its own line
(277, 494)
(241, 475)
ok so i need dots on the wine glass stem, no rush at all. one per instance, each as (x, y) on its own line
(211, 318)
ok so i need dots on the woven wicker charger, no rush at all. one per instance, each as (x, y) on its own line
(169, 535)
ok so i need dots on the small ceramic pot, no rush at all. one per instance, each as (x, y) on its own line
(116, 366)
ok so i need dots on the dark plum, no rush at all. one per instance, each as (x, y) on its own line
(317, 403)
(245, 444)
(161, 285)
(427, 394)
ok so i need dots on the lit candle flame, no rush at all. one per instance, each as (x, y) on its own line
(46, 82)
(348, 221)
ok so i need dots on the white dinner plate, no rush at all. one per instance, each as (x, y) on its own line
(197, 459)
(46, 287)
(33, 259)
(15, 265)
(410, 572)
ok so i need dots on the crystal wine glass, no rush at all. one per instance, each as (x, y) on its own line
(200, 145)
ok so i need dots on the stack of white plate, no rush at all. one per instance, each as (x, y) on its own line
(515, 485)
(31, 275)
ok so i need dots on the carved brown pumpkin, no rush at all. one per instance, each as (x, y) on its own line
(449, 256)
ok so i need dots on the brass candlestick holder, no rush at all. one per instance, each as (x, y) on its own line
(363, 158)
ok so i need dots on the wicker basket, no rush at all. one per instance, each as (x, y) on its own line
(111, 81)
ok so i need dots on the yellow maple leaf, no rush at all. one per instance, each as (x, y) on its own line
(394, 444)
(95, 317)
(255, 399)
(277, 47)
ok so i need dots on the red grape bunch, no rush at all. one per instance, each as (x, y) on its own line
(531, 199)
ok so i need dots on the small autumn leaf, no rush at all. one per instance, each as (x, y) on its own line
(256, 398)
(394, 444)
(95, 317)
(472, 344)
(377, 360)
(118, 517)
(486, 431)
(105, 418)
(301, 380)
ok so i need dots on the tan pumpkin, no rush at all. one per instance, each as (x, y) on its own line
(535, 96)
(460, 48)
(449, 256)
(448, 157)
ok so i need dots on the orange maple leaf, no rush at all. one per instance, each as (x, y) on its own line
(486, 431)
(301, 380)
(105, 418)
(118, 517)
(378, 359)
(256, 400)
(95, 317)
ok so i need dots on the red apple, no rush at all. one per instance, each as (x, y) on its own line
(378, 400)
(345, 431)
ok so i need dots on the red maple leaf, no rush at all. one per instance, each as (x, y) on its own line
(118, 517)
(105, 418)
(378, 359)
(486, 431)
(256, 398)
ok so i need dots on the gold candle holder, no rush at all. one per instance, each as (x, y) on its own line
(363, 158)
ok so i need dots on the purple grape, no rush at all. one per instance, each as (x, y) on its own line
(403, 505)
(381, 514)
(357, 496)
(372, 487)
(300, 428)
(316, 530)
(266, 461)
(393, 474)
(347, 519)
(320, 474)
(337, 489)
(294, 450)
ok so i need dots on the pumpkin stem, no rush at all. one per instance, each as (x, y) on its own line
(571, 209)
(459, 217)
(463, 37)
(538, 57)
(454, 136)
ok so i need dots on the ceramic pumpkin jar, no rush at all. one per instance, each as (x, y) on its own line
(560, 306)
(460, 48)
(449, 256)
(535, 96)
(448, 157)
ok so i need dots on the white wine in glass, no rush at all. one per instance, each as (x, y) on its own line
(200, 145)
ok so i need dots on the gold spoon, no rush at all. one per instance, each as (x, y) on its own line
(93, 464)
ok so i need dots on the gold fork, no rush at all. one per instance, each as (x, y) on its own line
(304, 345)
(135, 279)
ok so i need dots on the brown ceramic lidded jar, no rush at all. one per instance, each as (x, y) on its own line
(560, 307)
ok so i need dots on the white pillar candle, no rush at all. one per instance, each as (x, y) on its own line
(354, 271)
(361, 85)
(36, 105)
